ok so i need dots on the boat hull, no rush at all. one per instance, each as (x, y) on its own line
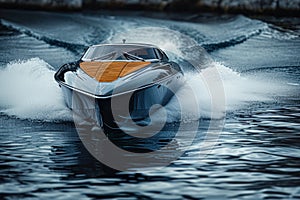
(124, 88)
(109, 112)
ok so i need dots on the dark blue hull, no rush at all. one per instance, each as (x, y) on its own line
(109, 111)
(109, 92)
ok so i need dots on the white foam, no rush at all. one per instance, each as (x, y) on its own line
(29, 91)
(165, 38)
(216, 88)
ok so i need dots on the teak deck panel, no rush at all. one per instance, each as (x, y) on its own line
(131, 67)
(110, 71)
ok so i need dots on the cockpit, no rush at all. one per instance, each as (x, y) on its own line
(123, 52)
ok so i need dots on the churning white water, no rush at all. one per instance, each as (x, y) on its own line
(29, 91)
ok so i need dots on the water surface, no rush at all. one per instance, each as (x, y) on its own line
(256, 155)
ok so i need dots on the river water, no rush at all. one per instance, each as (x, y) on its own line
(256, 153)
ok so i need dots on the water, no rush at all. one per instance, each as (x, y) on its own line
(256, 154)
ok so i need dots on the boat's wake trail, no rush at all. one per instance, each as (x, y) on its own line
(238, 91)
(28, 91)
(235, 89)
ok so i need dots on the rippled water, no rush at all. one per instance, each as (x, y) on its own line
(256, 154)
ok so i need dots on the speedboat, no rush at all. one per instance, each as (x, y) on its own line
(117, 82)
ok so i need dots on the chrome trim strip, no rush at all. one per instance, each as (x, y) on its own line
(128, 44)
(146, 60)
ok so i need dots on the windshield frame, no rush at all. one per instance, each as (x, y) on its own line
(120, 49)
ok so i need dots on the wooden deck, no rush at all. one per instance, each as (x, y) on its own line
(110, 71)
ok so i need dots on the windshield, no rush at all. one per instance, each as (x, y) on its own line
(119, 52)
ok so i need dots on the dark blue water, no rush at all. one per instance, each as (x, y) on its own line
(256, 154)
